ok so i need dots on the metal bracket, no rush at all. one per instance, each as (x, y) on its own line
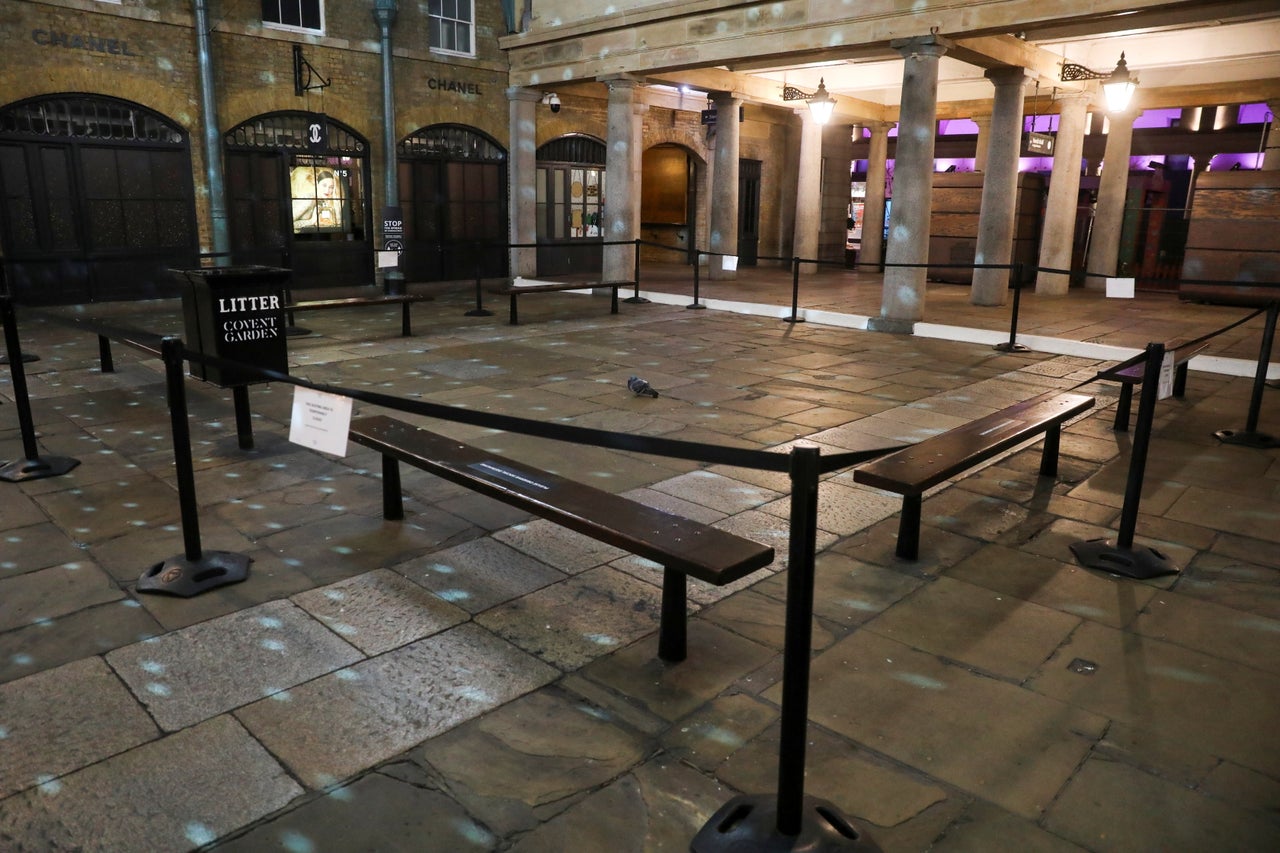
(300, 63)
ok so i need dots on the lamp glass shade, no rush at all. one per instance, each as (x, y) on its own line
(821, 104)
(1118, 94)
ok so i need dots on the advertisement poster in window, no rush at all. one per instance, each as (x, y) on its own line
(320, 195)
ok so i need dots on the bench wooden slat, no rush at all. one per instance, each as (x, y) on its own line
(404, 300)
(514, 292)
(681, 546)
(912, 470)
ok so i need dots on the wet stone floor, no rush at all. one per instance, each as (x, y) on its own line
(471, 678)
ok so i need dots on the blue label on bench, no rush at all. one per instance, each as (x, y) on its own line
(502, 472)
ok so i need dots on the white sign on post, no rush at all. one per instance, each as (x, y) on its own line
(1165, 387)
(730, 262)
(1120, 288)
(320, 421)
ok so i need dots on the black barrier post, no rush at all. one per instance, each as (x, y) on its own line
(795, 293)
(1015, 281)
(793, 821)
(106, 363)
(697, 278)
(32, 466)
(1118, 556)
(636, 299)
(1249, 436)
(4, 291)
(479, 310)
(195, 571)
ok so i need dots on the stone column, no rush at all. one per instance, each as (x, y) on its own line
(724, 189)
(873, 204)
(1271, 148)
(808, 191)
(997, 219)
(522, 195)
(984, 141)
(621, 180)
(1108, 218)
(903, 297)
(1059, 227)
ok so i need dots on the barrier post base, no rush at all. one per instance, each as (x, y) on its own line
(37, 469)
(748, 824)
(1246, 438)
(184, 578)
(1140, 563)
(26, 357)
(1009, 346)
(696, 306)
(478, 312)
(636, 300)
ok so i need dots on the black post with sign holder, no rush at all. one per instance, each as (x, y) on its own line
(393, 241)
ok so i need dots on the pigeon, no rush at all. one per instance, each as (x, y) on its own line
(640, 387)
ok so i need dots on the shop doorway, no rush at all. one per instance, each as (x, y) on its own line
(669, 204)
(453, 193)
(748, 212)
(570, 206)
(297, 196)
(97, 200)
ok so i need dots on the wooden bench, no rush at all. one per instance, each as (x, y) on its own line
(515, 290)
(682, 547)
(912, 470)
(404, 300)
(1133, 374)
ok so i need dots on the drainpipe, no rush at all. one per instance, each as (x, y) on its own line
(212, 138)
(384, 15)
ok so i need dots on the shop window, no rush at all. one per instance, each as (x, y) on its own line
(294, 14)
(452, 26)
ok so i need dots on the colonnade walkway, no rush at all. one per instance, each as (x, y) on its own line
(471, 679)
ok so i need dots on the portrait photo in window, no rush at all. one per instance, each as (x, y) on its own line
(319, 200)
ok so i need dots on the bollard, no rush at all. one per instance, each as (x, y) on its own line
(697, 278)
(795, 293)
(793, 821)
(195, 571)
(1015, 281)
(1118, 556)
(33, 466)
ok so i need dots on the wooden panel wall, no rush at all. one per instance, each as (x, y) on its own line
(953, 223)
(1234, 234)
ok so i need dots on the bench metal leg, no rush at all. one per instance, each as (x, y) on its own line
(909, 528)
(1049, 458)
(405, 331)
(672, 629)
(1121, 423)
(1180, 380)
(105, 362)
(513, 321)
(392, 500)
(613, 307)
(244, 420)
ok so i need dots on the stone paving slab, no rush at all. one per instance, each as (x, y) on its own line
(375, 812)
(196, 673)
(528, 760)
(1113, 807)
(574, 621)
(1225, 707)
(380, 707)
(91, 631)
(62, 719)
(44, 595)
(984, 736)
(177, 793)
(480, 574)
(1218, 631)
(379, 611)
(991, 632)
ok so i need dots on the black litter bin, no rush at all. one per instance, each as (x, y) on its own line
(236, 313)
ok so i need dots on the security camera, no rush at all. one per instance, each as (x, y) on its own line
(552, 100)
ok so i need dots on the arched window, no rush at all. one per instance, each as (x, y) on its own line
(97, 199)
(453, 194)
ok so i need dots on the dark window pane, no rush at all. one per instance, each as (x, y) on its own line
(100, 174)
(140, 224)
(13, 171)
(22, 225)
(62, 225)
(135, 173)
(106, 225)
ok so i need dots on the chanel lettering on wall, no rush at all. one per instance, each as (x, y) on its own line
(440, 84)
(78, 41)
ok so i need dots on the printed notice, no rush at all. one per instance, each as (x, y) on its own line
(320, 421)
(1164, 388)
